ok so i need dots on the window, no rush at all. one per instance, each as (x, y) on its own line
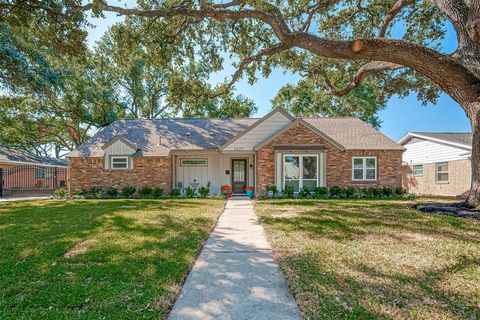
(119, 163)
(300, 171)
(364, 168)
(441, 171)
(193, 162)
(418, 170)
(43, 173)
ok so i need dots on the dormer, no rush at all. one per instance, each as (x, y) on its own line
(118, 154)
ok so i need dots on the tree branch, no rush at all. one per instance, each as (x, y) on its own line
(321, 5)
(441, 69)
(280, 47)
(457, 12)
(399, 5)
(366, 69)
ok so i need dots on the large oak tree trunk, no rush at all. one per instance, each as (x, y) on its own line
(474, 196)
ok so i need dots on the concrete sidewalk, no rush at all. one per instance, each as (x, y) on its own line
(235, 276)
(9, 199)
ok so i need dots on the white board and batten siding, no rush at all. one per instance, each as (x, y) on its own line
(424, 151)
(214, 173)
(118, 148)
(276, 122)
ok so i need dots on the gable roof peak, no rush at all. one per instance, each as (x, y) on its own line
(122, 139)
(460, 139)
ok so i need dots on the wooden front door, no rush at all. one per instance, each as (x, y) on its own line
(239, 175)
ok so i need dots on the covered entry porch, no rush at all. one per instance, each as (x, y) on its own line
(214, 169)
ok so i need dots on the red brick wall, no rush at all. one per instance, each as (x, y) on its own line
(146, 172)
(339, 163)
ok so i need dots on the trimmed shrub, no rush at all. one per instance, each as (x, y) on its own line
(203, 192)
(145, 192)
(95, 190)
(80, 192)
(387, 191)
(350, 192)
(304, 193)
(336, 192)
(60, 194)
(399, 191)
(321, 192)
(288, 192)
(157, 193)
(112, 192)
(175, 192)
(127, 192)
(274, 190)
(190, 192)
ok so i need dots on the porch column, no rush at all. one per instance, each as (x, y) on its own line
(278, 167)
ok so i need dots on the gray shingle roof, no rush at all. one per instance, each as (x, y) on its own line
(158, 137)
(453, 137)
(354, 134)
(16, 155)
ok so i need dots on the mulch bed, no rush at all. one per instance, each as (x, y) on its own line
(458, 210)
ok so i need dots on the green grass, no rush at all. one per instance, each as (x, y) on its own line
(118, 259)
(375, 259)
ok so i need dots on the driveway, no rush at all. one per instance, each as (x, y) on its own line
(235, 276)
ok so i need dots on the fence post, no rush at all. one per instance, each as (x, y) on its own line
(1, 182)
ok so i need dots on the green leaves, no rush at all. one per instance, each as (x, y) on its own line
(308, 98)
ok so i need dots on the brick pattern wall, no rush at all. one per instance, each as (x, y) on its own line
(338, 163)
(146, 172)
(460, 175)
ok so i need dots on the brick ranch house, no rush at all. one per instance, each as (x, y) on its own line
(437, 163)
(276, 150)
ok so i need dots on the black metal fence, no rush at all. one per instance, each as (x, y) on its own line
(29, 179)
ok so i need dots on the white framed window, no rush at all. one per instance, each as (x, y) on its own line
(193, 162)
(364, 168)
(119, 163)
(300, 171)
(441, 172)
(417, 170)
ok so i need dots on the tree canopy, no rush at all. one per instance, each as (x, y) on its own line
(335, 44)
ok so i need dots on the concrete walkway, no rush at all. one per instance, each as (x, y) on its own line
(235, 276)
(9, 199)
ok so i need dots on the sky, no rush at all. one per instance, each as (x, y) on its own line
(400, 116)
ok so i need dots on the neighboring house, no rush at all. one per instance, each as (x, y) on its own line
(437, 163)
(23, 173)
(276, 150)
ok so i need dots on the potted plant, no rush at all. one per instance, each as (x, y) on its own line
(249, 191)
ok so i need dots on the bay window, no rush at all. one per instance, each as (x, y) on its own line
(300, 171)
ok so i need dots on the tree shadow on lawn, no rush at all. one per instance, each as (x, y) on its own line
(325, 293)
(364, 260)
(351, 219)
(136, 255)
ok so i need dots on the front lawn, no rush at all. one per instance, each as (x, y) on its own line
(375, 259)
(116, 259)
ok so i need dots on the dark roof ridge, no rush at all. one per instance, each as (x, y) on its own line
(451, 132)
(334, 117)
(178, 118)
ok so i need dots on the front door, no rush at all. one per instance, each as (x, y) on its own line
(239, 175)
